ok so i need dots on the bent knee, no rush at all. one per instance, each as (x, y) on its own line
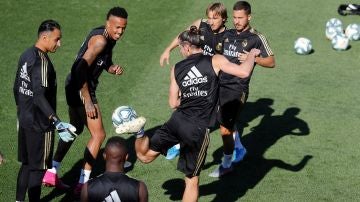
(144, 159)
(225, 131)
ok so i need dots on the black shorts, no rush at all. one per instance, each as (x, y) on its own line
(77, 117)
(230, 105)
(73, 96)
(35, 148)
(194, 141)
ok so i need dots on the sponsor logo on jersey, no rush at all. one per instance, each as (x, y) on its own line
(231, 50)
(193, 77)
(207, 50)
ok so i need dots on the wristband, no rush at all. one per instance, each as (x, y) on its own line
(55, 120)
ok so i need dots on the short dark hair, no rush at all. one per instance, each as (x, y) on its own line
(48, 25)
(118, 12)
(117, 142)
(242, 5)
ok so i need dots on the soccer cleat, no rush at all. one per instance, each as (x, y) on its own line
(172, 153)
(221, 171)
(132, 126)
(52, 180)
(238, 154)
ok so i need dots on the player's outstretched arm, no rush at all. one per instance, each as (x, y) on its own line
(268, 62)
(222, 63)
(165, 56)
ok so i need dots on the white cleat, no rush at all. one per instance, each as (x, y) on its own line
(132, 126)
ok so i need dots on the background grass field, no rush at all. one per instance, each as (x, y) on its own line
(302, 117)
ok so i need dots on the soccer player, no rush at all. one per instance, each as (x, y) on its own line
(195, 79)
(94, 56)
(234, 91)
(35, 97)
(114, 184)
(212, 29)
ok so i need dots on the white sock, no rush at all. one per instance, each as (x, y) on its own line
(52, 170)
(237, 141)
(226, 163)
(56, 165)
(177, 146)
(84, 176)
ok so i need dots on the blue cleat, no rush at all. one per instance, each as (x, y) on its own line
(238, 154)
(172, 152)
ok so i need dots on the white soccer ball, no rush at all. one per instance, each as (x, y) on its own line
(123, 114)
(332, 31)
(302, 46)
(352, 32)
(340, 42)
(334, 22)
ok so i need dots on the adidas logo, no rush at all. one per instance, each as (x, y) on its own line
(193, 77)
(23, 72)
(113, 197)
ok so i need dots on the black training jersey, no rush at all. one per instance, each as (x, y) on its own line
(113, 186)
(198, 84)
(234, 43)
(212, 41)
(102, 62)
(35, 90)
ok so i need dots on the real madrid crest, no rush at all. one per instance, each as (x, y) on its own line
(219, 47)
(244, 43)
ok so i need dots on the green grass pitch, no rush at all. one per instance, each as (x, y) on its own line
(302, 117)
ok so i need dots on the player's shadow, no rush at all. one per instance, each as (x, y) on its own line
(251, 111)
(249, 172)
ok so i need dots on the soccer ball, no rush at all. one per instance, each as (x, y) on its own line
(123, 114)
(332, 31)
(340, 42)
(352, 32)
(334, 22)
(302, 46)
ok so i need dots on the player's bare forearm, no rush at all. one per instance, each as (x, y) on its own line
(267, 62)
